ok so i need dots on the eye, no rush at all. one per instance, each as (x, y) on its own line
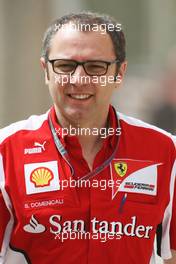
(95, 67)
(64, 66)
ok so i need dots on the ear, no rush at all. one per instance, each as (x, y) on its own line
(121, 72)
(44, 65)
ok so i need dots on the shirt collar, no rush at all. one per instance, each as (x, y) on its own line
(111, 139)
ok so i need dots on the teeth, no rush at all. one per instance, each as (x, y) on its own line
(80, 96)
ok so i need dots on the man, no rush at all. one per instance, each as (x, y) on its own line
(83, 183)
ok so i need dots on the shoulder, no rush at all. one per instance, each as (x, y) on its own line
(145, 130)
(33, 123)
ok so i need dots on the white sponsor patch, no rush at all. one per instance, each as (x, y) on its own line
(41, 177)
(142, 181)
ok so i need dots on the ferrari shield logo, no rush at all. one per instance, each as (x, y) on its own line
(120, 168)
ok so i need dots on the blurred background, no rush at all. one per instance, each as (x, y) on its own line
(149, 90)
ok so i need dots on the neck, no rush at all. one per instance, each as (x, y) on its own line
(90, 142)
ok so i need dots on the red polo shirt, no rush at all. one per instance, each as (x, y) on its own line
(121, 219)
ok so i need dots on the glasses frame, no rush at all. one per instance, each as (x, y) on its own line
(82, 63)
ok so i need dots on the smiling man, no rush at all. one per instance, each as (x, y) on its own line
(43, 219)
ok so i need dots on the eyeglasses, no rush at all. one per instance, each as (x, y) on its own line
(91, 67)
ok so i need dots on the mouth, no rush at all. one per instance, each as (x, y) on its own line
(80, 96)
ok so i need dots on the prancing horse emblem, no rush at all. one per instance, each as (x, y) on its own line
(121, 168)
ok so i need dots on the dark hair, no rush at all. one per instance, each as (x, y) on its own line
(88, 18)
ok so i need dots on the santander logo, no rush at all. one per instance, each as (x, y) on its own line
(34, 226)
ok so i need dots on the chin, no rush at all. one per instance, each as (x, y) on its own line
(77, 115)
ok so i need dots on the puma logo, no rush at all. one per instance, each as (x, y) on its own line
(37, 144)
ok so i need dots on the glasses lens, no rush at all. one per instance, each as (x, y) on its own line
(95, 67)
(64, 66)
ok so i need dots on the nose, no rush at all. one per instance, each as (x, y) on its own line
(79, 77)
(79, 70)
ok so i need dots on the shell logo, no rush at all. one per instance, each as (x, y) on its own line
(41, 177)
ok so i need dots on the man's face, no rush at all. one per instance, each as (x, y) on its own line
(69, 99)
